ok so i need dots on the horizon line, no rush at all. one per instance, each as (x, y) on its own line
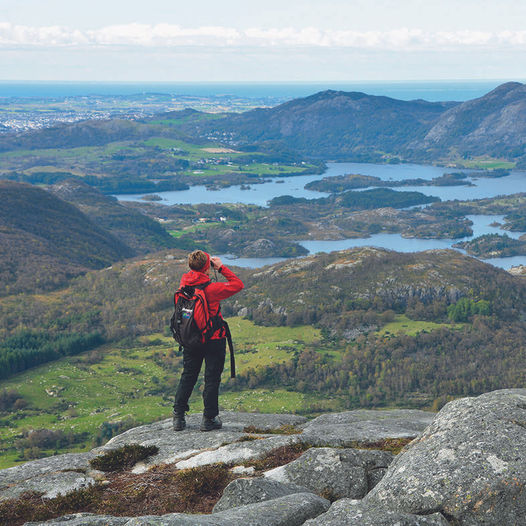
(505, 79)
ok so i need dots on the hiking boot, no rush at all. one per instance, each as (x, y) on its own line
(179, 421)
(209, 424)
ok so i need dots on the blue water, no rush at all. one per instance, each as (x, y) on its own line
(481, 226)
(260, 194)
(458, 90)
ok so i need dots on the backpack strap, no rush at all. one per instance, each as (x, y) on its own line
(231, 349)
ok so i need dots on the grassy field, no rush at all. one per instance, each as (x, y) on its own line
(403, 325)
(136, 382)
(488, 164)
(206, 159)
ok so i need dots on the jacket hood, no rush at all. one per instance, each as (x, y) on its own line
(194, 277)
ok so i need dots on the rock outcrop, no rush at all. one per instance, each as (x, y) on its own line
(347, 428)
(466, 467)
(349, 511)
(336, 473)
(469, 464)
(51, 476)
(249, 490)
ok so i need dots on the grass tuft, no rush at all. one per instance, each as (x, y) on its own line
(278, 457)
(392, 445)
(123, 458)
(285, 429)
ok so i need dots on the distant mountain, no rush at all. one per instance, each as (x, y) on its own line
(44, 240)
(334, 124)
(493, 125)
(136, 230)
(356, 126)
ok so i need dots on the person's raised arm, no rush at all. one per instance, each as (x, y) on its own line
(223, 290)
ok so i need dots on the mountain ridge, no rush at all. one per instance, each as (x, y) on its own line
(331, 124)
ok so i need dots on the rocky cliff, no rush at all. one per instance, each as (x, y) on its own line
(465, 465)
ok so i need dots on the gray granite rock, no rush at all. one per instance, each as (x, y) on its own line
(51, 476)
(83, 519)
(469, 464)
(249, 490)
(41, 466)
(174, 447)
(239, 451)
(334, 472)
(364, 425)
(359, 513)
(51, 484)
(290, 510)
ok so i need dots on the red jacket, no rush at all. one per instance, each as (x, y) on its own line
(215, 292)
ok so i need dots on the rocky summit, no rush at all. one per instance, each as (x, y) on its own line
(465, 465)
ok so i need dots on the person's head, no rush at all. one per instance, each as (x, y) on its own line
(199, 261)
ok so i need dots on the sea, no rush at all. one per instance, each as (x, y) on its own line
(437, 90)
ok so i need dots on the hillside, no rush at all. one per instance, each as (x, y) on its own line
(356, 126)
(347, 294)
(493, 125)
(378, 279)
(44, 241)
(82, 133)
(133, 228)
(357, 328)
(135, 297)
(333, 124)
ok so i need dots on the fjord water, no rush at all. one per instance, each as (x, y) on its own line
(260, 194)
(482, 224)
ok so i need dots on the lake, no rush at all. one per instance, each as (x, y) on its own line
(260, 194)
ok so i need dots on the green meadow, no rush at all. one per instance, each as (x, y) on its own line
(136, 382)
(403, 325)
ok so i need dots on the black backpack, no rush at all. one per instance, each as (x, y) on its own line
(191, 323)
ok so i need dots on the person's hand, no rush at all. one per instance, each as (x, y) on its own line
(216, 262)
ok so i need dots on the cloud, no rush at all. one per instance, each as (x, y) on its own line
(170, 36)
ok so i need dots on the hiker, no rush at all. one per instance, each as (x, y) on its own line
(214, 349)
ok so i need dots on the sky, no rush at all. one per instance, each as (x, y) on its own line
(269, 41)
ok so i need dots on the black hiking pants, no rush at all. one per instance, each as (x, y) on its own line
(213, 353)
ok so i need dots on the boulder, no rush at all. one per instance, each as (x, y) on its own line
(249, 490)
(363, 425)
(359, 513)
(51, 484)
(469, 464)
(83, 519)
(50, 475)
(335, 473)
(290, 510)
